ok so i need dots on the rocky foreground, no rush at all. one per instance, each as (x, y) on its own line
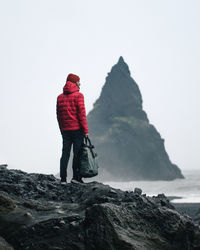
(36, 212)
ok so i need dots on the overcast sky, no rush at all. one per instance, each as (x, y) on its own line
(44, 40)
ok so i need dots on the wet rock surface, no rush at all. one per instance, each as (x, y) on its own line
(4, 245)
(191, 209)
(36, 212)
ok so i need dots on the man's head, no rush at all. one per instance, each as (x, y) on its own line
(74, 78)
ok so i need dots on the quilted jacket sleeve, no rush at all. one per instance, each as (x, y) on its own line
(58, 114)
(82, 113)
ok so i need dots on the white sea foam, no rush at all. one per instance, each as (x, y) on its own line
(188, 188)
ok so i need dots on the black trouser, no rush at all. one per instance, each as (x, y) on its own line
(70, 137)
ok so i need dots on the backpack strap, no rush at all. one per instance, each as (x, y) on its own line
(88, 142)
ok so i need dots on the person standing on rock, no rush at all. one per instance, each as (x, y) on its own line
(71, 116)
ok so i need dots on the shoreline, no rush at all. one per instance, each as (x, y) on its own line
(191, 209)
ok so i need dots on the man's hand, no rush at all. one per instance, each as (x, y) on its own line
(86, 135)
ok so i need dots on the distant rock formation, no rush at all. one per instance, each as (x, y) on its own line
(36, 212)
(129, 147)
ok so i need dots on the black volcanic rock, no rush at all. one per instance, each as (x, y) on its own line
(4, 245)
(36, 212)
(129, 147)
(191, 209)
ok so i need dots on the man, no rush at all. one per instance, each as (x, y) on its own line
(72, 122)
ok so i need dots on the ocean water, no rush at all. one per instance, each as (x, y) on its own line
(188, 189)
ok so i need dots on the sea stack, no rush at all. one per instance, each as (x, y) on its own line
(128, 146)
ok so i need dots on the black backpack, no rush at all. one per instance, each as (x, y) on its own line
(88, 160)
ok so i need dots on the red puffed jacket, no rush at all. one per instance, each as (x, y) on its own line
(70, 109)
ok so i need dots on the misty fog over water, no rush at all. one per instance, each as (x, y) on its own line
(188, 188)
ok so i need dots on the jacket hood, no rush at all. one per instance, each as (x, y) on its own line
(70, 87)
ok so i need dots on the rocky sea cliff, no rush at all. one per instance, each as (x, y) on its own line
(129, 147)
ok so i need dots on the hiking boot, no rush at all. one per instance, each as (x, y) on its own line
(63, 183)
(77, 181)
(81, 181)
